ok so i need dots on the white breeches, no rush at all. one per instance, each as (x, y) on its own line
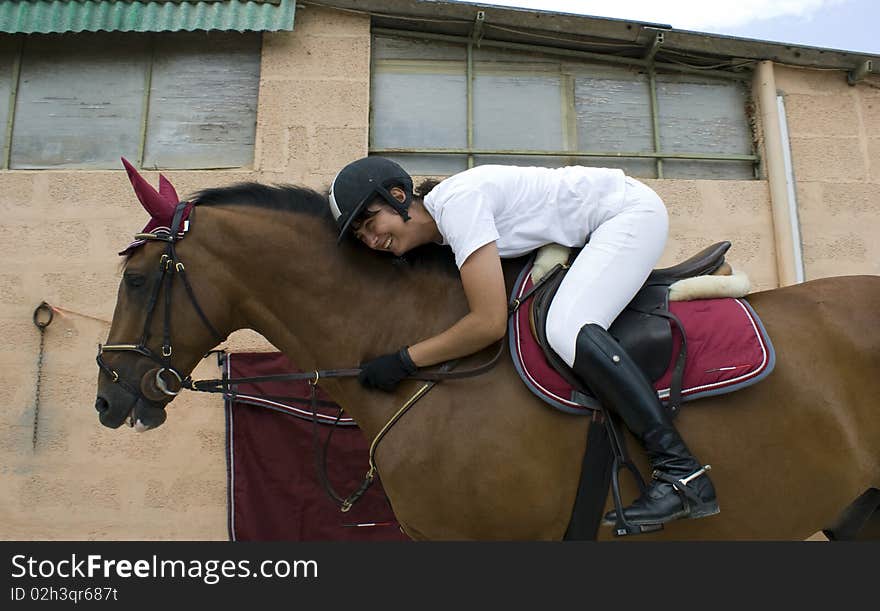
(610, 269)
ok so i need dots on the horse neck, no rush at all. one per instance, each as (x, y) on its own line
(323, 305)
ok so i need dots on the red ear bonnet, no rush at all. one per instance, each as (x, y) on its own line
(167, 192)
(159, 204)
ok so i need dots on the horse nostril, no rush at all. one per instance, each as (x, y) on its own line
(101, 404)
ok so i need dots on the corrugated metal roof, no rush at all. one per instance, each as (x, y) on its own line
(587, 33)
(57, 16)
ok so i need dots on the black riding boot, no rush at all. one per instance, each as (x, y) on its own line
(680, 487)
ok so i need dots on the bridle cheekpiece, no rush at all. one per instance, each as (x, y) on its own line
(169, 267)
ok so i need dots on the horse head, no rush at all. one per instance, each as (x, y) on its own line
(161, 326)
(264, 258)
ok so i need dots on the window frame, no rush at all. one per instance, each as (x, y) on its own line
(648, 64)
(14, 79)
(151, 46)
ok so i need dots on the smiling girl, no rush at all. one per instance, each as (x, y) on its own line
(491, 211)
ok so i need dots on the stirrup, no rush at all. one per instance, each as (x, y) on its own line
(622, 526)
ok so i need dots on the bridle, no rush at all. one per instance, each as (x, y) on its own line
(169, 267)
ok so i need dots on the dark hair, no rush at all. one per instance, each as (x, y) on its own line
(425, 187)
(365, 214)
(421, 191)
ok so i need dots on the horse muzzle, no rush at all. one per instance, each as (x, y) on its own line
(141, 404)
(145, 410)
(138, 412)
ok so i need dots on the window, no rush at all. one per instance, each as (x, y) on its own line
(7, 69)
(538, 108)
(172, 100)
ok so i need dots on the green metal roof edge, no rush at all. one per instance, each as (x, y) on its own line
(59, 16)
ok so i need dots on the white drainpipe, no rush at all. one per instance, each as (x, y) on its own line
(792, 193)
(777, 160)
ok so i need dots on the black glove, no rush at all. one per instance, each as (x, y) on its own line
(387, 371)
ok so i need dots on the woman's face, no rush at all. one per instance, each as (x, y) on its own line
(383, 229)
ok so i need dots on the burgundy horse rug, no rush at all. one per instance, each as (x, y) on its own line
(274, 492)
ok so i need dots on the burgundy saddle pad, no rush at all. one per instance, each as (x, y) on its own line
(727, 349)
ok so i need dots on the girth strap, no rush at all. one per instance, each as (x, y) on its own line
(595, 480)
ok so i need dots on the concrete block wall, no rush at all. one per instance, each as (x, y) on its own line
(61, 230)
(834, 130)
(702, 212)
(314, 98)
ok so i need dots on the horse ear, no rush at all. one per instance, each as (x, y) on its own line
(167, 191)
(158, 206)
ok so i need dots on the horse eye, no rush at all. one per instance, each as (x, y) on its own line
(134, 280)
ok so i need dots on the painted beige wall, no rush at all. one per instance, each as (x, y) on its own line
(834, 131)
(61, 230)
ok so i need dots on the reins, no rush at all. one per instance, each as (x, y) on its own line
(431, 378)
(321, 457)
(169, 266)
(222, 385)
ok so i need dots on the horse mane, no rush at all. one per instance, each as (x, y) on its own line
(291, 198)
(429, 256)
(288, 198)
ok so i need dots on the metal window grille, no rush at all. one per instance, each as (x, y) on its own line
(168, 100)
(662, 149)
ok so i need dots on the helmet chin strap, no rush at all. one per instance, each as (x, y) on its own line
(402, 208)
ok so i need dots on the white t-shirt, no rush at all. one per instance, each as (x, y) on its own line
(523, 208)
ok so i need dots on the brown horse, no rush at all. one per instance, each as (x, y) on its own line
(482, 458)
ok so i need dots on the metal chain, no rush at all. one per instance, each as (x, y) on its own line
(41, 324)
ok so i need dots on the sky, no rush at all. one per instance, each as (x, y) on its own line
(845, 25)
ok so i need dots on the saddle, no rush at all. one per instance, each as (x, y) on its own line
(730, 350)
(643, 328)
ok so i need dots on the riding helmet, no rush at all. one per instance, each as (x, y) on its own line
(360, 182)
